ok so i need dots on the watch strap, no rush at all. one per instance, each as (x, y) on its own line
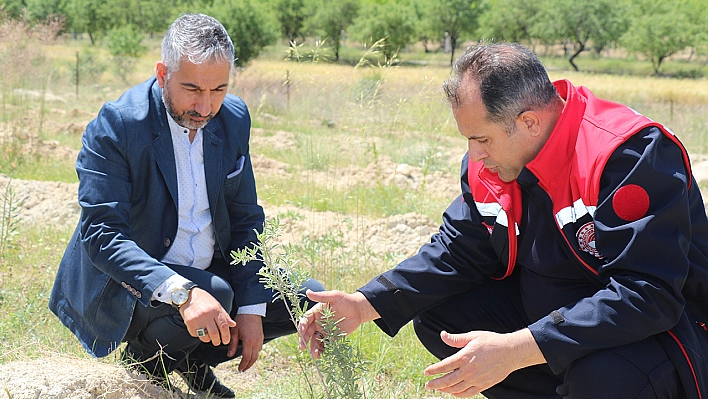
(189, 285)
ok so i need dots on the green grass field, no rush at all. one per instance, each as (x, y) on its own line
(337, 116)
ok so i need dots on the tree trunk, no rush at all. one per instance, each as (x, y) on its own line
(581, 47)
(453, 44)
(658, 64)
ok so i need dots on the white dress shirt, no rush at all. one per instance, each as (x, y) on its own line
(194, 244)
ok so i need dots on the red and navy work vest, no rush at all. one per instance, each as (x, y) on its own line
(568, 168)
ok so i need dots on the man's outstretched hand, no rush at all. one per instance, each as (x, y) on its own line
(484, 359)
(353, 310)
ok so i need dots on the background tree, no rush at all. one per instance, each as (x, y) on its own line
(697, 16)
(545, 31)
(424, 31)
(390, 20)
(125, 41)
(612, 25)
(119, 13)
(658, 30)
(40, 10)
(90, 17)
(13, 8)
(582, 22)
(330, 18)
(155, 16)
(125, 45)
(291, 17)
(508, 20)
(456, 17)
(655, 29)
(247, 24)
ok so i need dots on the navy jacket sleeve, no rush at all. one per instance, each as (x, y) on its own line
(113, 209)
(646, 260)
(458, 258)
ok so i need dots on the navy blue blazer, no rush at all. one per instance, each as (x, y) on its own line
(128, 197)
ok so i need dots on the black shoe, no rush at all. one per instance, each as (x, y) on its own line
(199, 377)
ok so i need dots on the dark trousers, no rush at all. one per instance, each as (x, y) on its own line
(159, 340)
(638, 370)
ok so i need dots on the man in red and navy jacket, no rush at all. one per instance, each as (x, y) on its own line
(575, 262)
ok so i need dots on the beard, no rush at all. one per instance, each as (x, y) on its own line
(181, 118)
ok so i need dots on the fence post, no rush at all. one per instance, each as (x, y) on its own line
(77, 74)
(287, 88)
(671, 113)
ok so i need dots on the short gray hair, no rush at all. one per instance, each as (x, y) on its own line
(197, 38)
(511, 80)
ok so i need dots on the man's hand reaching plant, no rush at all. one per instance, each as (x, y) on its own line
(350, 311)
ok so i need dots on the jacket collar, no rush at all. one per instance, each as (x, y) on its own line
(560, 147)
(162, 141)
(164, 151)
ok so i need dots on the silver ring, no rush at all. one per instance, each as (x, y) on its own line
(201, 332)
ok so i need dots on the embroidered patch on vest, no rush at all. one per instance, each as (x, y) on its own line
(630, 202)
(586, 239)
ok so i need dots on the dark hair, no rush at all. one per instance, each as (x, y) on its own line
(511, 80)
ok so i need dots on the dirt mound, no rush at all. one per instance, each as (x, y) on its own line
(30, 144)
(51, 203)
(69, 378)
(395, 237)
(380, 171)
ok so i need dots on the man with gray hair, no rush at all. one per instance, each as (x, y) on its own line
(167, 191)
(573, 264)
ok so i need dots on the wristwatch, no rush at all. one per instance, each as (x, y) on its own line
(180, 295)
